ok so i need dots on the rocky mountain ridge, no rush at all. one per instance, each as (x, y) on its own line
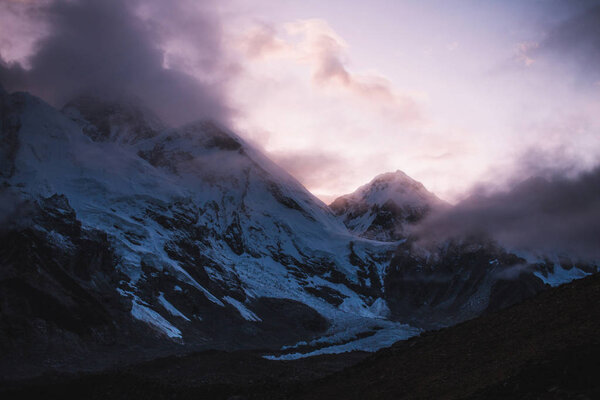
(121, 232)
(211, 243)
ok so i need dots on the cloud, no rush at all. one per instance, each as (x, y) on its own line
(328, 174)
(509, 273)
(20, 27)
(315, 43)
(118, 48)
(575, 42)
(545, 216)
(261, 41)
(452, 46)
(524, 50)
(315, 169)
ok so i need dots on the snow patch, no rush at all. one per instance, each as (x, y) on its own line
(561, 275)
(384, 337)
(153, 318)
(170, 308)
(242, 309)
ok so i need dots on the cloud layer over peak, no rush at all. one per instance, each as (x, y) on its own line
(540, 216)
(118, 48)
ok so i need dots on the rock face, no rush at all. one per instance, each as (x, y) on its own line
(123, 237)
(458, 282)
(383, 208)
(545, 347)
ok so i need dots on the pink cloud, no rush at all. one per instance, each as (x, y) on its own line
(524, 53)
(261, 41)
(313, 42)
(316, 170)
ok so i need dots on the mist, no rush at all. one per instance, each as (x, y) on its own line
(575, 43)
(545, 216)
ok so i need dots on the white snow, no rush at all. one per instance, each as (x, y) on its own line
(170, 308)
(112, 189)
(242, 309)
(141, 311)
(359, 209)
(561, 275)
(396, 187)
(380, 308)
(153, 318)
(389, 334)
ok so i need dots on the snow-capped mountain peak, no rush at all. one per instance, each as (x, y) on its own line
(381, 208)
(189, 235)
(395, 187)
(192, 210)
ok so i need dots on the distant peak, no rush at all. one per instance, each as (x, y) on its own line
(396, 187)
(392, 176)
(382, 208)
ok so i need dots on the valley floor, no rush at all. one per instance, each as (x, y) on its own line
(547, 347)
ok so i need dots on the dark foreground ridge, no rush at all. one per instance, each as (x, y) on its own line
(547, 347)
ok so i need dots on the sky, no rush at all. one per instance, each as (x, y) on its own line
(454, 93)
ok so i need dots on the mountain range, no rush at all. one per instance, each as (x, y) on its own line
(128, 239)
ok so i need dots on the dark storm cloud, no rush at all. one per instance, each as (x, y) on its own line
(576, 42)
(553, 215)
(111, 48)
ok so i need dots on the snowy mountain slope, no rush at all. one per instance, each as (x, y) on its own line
(198, 221)
(429, 284)
(137, 233)
(383, 208)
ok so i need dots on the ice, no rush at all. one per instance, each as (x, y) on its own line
(383, 337)
(170, 308)
(243, 310)
(153, 318)
(561, 275)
